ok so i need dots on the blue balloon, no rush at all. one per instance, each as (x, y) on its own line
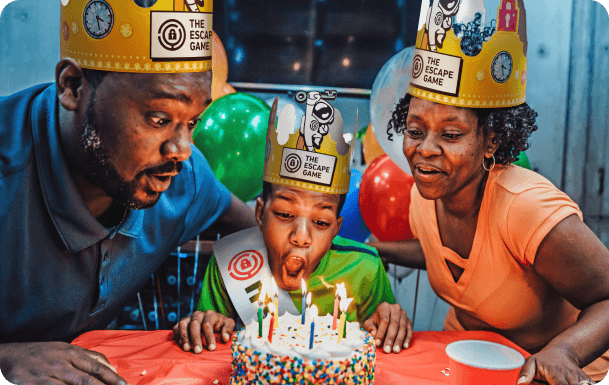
(356, 179)
(353, 226)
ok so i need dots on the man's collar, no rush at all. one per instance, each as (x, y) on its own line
(74, 222)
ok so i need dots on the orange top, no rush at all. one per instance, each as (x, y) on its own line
(499, 289)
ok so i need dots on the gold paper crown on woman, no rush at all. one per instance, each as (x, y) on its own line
(122, 36)
(316, 157)
(471, 53)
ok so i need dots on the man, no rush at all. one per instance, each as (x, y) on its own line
(99, 182)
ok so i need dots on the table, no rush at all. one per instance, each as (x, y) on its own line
(153, 358)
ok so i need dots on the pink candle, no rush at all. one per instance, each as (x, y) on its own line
(335, 315)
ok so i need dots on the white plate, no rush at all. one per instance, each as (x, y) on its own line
(485, 355)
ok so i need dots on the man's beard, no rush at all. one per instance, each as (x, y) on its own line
(102, 173)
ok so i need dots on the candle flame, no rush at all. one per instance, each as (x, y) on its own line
(271, 307)
(344, 304)
(341, 290)
(275, 287)
(309, 299)
(314, 313)
(304, 286)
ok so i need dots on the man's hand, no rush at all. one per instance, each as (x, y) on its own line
(556, 367)
(55, 363)
(187, 332)
(390, 326)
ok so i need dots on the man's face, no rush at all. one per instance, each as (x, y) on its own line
(137, 130)
(298, 227)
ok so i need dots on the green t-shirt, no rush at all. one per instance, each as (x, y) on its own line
(355, 264)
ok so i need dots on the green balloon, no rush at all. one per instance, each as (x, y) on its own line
(232, 137)
(523, 161)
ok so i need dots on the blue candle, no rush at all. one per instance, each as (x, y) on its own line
(313, 315)
(304, 302)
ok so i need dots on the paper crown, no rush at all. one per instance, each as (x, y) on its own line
(471, 53)
(121, 36)
(315, 157)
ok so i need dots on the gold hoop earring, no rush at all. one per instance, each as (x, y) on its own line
(492, 166)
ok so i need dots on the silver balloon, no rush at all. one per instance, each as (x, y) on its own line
(391, 85)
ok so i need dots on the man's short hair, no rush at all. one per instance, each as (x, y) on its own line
(267, 190)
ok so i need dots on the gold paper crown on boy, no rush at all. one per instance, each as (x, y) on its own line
(471, 53)
(315, 157)
(122, 36)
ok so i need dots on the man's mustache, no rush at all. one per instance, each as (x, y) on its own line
(166, 168)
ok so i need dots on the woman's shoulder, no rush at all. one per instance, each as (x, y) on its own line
(516, 180)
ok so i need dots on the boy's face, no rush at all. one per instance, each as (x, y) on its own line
(298, 227)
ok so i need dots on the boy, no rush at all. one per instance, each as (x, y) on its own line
(306, 177)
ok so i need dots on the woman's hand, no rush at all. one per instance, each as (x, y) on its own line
(187, 332)
(390, 326)
(555, 366)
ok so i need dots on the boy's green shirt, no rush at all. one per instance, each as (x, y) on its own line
(355, 264)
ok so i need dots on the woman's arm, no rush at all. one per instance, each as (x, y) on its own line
(576, 264)
(403, 253)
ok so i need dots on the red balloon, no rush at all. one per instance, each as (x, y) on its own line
(384, 200)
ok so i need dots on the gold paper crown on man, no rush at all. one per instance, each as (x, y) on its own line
(315, 157)
(471, 53)
(170, 36)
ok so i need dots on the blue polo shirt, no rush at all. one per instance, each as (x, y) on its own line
(61, 272)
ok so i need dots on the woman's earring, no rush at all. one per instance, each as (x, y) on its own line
(492, 166)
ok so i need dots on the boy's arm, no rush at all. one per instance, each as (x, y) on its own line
(213, 292)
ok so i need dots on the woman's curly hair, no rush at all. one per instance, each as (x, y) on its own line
(512, 127)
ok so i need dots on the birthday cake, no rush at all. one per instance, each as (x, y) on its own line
(290, 357)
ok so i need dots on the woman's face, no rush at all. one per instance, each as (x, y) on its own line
(444, 147)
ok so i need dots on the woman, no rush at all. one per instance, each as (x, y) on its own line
(501, 244)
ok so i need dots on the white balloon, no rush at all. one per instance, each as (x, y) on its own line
(391, 85)
(399, 272)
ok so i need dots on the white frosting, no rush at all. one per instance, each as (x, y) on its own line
(293, 339)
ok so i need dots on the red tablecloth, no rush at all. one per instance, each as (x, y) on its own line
(133, 352)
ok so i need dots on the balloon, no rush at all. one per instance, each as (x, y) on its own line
(384, 200)
(220, 89)
(219, 62)
(523, 161)
(372, 148)
(391, 85)
(232, 137)
(353, 226)
(282, 101)
(219, 68)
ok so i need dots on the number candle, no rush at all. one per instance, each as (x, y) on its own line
(276, 304)
(304, 298)
(313, 315)
(272, 323)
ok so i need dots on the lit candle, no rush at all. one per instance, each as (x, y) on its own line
(272, 323)
(313, 315)
(339, 293)
(260, 305)
(304, 298)
(342, 327)
(276, 303)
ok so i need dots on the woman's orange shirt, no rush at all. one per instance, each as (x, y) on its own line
(499, 289)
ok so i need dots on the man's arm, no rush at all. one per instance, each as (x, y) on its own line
(238, 217)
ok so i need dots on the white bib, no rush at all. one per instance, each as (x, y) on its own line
(243, 263)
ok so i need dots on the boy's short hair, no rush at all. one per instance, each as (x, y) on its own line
(267, 189)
